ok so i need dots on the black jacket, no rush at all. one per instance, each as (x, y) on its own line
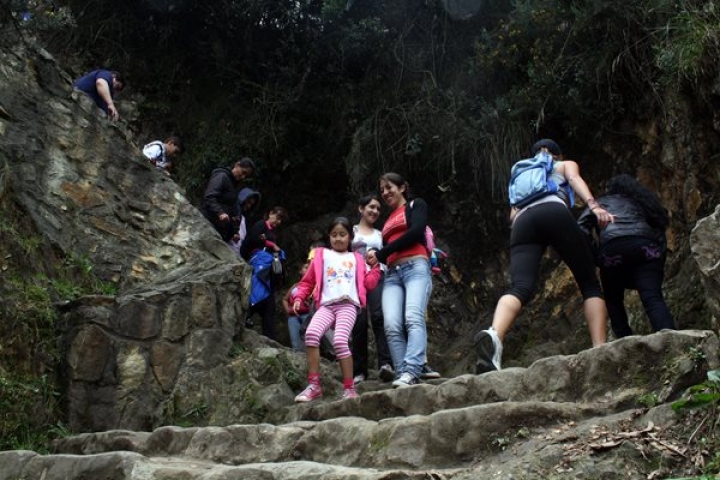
(257, 235)
(629, 221)
(220, 195)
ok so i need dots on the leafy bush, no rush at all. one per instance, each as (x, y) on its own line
(705, 397)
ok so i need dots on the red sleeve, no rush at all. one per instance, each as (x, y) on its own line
(372, 278)
(307, 283)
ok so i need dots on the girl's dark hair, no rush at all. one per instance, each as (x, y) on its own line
(345, 223)
(646, 199)
(365, 201)
(397, 179)
(280, 212)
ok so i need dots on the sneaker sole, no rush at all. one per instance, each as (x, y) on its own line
(484, 349)
(428, 376)
(404, 385)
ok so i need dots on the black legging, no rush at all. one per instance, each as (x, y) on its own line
(540, 226)
(635, 263)
(266, 309)
(359, 344)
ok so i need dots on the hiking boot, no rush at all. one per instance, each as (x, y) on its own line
(311, 392)
(386, 373)
(359, 378)
(488, 348)
(406, 380)
(349, 393)
(428, 372)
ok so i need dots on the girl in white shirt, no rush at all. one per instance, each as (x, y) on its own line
(339, 281)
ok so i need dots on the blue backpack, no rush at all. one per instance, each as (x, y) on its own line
(530, 180)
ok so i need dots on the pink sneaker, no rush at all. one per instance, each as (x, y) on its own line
(311, 392)
(349, 393)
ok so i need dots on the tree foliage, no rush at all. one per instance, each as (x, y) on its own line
(334, 92)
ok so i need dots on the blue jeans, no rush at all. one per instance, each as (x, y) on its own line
(294, 324)
(405, 297)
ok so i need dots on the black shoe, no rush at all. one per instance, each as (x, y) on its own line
(427, 372)
(386, 373)
(249, 324)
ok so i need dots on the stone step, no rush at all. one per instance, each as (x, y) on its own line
(440, 425)
(440, 440)
(614, 374)
(133, 466)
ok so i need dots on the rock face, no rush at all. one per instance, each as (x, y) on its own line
(577, 416)
(705, 244)
(167, 350)
(92, 194)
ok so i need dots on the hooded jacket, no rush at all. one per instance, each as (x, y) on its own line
(244, 195)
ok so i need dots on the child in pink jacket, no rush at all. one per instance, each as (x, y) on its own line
(342, 283)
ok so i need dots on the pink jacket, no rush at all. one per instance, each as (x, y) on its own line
(313, 277)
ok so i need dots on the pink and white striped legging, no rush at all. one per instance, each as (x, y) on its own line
(342, 316)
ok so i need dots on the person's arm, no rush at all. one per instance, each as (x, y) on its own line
(305, 286)
(372, 277)
(571, 171)
(103, 89)
(587, 221)
(417, 219)
(286, 302)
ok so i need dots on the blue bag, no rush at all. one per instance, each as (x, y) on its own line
(530, 180)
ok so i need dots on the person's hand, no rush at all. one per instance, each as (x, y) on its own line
(603, 216)
(296, 305)
(223, 217)
(112, 112)
(371, 258)
(236, 238)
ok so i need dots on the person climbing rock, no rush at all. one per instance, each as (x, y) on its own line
(102, 86)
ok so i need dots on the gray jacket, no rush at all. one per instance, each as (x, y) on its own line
(629, 221)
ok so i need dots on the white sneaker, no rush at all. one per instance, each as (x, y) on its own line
(488, 348)
(359, 378)
(406, 380)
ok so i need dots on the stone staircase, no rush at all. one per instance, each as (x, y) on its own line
(532, 423)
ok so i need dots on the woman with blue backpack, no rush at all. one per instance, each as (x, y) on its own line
(541, 194)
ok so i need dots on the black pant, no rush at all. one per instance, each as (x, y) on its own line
(359, 344)
(540, 226)
(266, 309)
(634, 263)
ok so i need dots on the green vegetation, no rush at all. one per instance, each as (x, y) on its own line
(34, 278)
(648, 400)
(706, 398)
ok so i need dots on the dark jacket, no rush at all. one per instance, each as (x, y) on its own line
(220, 194)
(221, 197)
(257, 238)
(629, 221)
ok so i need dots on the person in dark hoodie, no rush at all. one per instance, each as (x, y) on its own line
(247, 202)
(631, 251)
(219, 203)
